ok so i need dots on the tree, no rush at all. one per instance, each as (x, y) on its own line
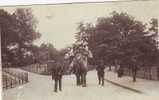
(122, 40)
(47, 52)
(154, 26)
(25, 24)
(18, 31)
(8, 35)
(153, 30)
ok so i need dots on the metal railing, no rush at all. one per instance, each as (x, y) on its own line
(11, 79)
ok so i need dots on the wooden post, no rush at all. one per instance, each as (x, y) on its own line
(6, 83)
(15, 80)
(11, 83)
(26, 77)
(144, 73)
(158, 73)
(22, 78)
(19, 81)
(18, 78)
(150, 77)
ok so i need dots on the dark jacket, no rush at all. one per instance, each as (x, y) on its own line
(100, 68)
(57, 71)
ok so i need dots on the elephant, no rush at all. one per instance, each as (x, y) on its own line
(79, 68)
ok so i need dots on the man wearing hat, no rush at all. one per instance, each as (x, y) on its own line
(100, 72)
(57, 73)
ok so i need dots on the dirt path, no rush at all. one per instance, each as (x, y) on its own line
(41, 88)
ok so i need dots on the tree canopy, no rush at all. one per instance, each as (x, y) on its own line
(18, 31)
(121, 39)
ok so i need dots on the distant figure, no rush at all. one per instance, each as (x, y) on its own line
(100, 72)
(57, 73)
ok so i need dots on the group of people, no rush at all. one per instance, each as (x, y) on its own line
(58, 70)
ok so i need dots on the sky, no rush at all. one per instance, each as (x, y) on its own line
(58, 23)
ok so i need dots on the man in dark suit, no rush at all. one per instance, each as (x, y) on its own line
(100, 72)
(57, 73)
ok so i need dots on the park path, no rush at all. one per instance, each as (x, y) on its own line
(41, 88)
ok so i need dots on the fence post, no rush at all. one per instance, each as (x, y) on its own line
(158, 73)
(150, 76)
(6, 83)
(26, 77)
(144, 73)
(129, 72)
(22, 78)
(15, 80)
(19, 76)
(11, 83)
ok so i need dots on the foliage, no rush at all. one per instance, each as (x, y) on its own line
(18, 31)
(122, 40)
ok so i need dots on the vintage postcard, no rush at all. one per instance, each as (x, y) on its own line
(80, 51)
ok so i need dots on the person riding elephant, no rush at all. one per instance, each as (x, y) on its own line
(78, 56)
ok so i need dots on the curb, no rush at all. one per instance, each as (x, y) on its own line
(125, 87)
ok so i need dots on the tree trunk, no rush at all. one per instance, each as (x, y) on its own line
(20, 54)
(20, 57)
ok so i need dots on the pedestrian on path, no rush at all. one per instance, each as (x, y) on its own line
(57, 73)
(100, 72)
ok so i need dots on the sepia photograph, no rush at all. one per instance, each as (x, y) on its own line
(80, 51)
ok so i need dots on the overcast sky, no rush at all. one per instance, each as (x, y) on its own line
(58, 23)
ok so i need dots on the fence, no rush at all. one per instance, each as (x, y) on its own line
(12, 79)
(43, 69)
(36, 68)
(150, 73)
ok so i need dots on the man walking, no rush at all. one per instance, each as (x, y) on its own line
(100, 72)
(57, 73)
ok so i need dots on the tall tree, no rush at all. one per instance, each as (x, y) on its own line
(25, 24)
(8, 36)
(18, 31)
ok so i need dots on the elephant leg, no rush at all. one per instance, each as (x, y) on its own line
(80, 79)
(77, 79)
(55, 85)
(98, 78)
(83, 84)
(60, 84)
(102, 80)
(84, 80)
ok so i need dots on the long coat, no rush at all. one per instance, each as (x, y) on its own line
(57, 71)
